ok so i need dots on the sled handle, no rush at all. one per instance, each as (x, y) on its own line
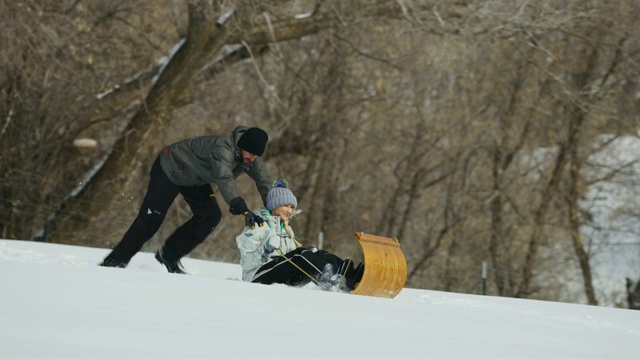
(377, 239)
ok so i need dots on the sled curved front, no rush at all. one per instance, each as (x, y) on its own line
(385, 267)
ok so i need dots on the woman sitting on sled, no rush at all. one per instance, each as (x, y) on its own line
(270, 253)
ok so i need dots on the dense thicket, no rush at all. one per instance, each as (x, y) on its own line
(466, 129)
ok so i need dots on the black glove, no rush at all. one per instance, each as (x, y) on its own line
(251, 219)
(237, 206)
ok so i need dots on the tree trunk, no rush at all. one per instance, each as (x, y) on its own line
(539, 222)
(575, 223)
(576, 116)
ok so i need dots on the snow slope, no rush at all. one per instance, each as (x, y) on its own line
(56, 303)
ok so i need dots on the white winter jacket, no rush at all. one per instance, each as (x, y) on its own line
(251, 242)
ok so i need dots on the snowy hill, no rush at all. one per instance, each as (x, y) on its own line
(56, 303)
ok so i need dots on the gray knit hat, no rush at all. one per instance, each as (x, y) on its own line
(280, 195)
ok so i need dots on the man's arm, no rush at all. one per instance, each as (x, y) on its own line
(260, 175)
(223, 177)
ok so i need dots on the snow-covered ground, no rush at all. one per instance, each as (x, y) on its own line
(56, 303)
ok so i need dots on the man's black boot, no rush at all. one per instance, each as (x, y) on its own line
(112, 262)
(173, 266)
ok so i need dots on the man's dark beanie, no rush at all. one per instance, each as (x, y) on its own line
(254, 140)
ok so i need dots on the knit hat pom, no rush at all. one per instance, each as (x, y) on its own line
(280, 183)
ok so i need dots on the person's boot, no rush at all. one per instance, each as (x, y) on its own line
(338, 283)
(354, 279)
(173, 266)
(110, 261)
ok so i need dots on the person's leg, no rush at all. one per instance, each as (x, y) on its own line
(206, 216)
(339, 265)
(160, 195)
(322, 266)
(281, 271)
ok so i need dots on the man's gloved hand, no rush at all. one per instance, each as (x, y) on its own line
(251, 219)
(237, 206)
(273, 243)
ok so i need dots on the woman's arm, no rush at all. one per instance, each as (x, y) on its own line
(253, 251)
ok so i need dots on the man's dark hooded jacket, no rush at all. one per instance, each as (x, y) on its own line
(214, 159)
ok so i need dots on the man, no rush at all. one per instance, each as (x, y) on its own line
(187, 168)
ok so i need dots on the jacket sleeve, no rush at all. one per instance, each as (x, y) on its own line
(252, 250)
(224, 179)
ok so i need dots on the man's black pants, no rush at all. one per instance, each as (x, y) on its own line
(160, 195)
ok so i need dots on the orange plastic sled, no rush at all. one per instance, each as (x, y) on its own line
(385, 270)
